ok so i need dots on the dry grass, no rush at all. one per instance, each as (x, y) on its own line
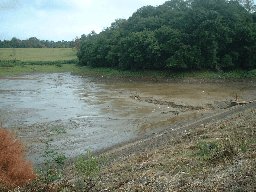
(220, 156)
(14, 169)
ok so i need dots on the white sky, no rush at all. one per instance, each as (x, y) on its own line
(62, 19)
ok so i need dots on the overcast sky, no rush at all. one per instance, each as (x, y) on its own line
(62, 19)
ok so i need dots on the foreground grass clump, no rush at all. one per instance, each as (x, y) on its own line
(52, 169)
(215, 151)
(15, 170)
(88, 168)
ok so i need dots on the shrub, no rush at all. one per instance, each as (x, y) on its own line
(252, 74)
(15, 170)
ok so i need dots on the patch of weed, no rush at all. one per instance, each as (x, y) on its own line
(215, 151)
(88, 168)
(53, 165)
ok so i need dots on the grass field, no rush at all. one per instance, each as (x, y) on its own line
(25, 69)
(15, 61)
(37, 54)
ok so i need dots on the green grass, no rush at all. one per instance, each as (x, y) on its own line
(160, 75)
(115, 73)
(24, 69)
(37, 54)
(15, 61)
(8, 69)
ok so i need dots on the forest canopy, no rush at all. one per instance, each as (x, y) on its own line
(178, 35)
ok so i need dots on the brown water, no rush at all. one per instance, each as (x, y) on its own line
(75, 113)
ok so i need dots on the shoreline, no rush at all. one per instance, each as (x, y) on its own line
(109, 74)
(178, 128)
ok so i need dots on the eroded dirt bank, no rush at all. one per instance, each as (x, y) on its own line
(74, 113)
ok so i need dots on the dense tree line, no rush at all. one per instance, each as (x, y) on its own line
(33, 42)
(178, 35)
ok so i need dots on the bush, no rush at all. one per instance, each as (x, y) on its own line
(252, 73)
(14, 169)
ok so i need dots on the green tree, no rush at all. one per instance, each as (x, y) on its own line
(139, 50)
(178, 35)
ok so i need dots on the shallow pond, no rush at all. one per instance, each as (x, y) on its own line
(74, 114)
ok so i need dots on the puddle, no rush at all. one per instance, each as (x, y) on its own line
(75, 113)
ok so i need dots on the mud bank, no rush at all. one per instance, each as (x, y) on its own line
(74, 113)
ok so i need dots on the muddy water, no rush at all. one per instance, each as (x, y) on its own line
(74, 114)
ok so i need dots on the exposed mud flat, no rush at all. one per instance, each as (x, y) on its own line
(74, 114)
